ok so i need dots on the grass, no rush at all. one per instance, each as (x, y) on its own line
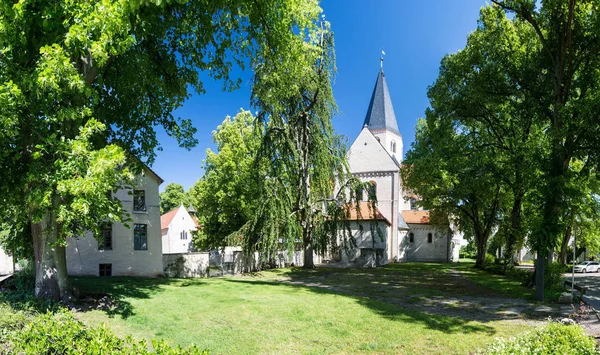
(294, 311)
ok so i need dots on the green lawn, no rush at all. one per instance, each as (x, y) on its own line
(295, 311)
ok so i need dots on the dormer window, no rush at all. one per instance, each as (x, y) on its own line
(393, 147)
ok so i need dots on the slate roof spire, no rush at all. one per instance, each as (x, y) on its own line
(380, 114)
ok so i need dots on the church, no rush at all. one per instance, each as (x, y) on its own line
(408, 235)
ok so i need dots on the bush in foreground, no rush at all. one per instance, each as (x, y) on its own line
(552, 339)
(60, 333)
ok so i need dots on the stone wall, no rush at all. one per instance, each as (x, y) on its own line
(186, 265)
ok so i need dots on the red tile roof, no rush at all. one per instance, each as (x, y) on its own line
(166, 218)
(416, 217)
(366, 212)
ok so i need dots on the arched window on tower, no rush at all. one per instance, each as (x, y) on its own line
(393, 146)
(413, 204)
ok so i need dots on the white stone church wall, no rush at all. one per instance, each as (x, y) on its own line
(420, 249)
(366, 242)
(84, 258)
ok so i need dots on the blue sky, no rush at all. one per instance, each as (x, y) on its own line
(415, 35)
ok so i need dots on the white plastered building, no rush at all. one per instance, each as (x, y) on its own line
(176, 230)
(6, 263)
(122, 251)
(376, 156)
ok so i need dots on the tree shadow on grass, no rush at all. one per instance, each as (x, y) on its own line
(111, 295)
(394, 312)
(429, 293)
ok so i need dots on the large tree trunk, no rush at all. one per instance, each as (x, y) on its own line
(51, 281)
(308, 256)
(562, 258)
(513, 235)
(481, 248)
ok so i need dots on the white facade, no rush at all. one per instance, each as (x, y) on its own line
(6, 263)
(424, 242)
(177, 231)
(124, 256)
(376, 156)
(371, 248)
(370, 161)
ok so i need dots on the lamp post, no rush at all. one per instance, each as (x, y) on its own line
(573, 266)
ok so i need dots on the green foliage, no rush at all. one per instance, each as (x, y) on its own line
(23, 281)
(60, 333)
(489, 260)
(227, 195)
(553, 339)
(84, 85)
(173, 197)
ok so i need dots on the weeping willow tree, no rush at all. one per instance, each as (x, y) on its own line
(306, 193)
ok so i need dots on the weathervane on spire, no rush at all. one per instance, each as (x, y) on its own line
(382, 54)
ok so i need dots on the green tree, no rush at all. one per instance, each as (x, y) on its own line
(456, 177)
(84, 84)
(561, 93)
(303, 157)
(173, 196)
(227, 195)
(480, 87)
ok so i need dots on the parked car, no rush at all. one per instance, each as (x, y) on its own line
(587, 266)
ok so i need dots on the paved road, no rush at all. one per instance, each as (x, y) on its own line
(592, 282)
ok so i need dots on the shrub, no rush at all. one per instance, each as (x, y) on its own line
(554, 338)
(489, 260)
(553, 277)
(60, 333)
(24, 280)
(518, 275)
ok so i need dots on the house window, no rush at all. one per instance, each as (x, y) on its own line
(105, 237)
(105, 270)
(429, 238)
(183, 235)
(411, 237)
(139, 201)
(413, 204)
(140, 237)
(393, 146)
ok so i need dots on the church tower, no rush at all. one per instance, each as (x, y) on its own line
(381, 119)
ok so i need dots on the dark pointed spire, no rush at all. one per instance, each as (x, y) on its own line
(380, 114)
(191, 210)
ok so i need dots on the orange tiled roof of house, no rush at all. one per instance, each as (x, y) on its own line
(416, 217)
(366, 212)
(166, 218)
